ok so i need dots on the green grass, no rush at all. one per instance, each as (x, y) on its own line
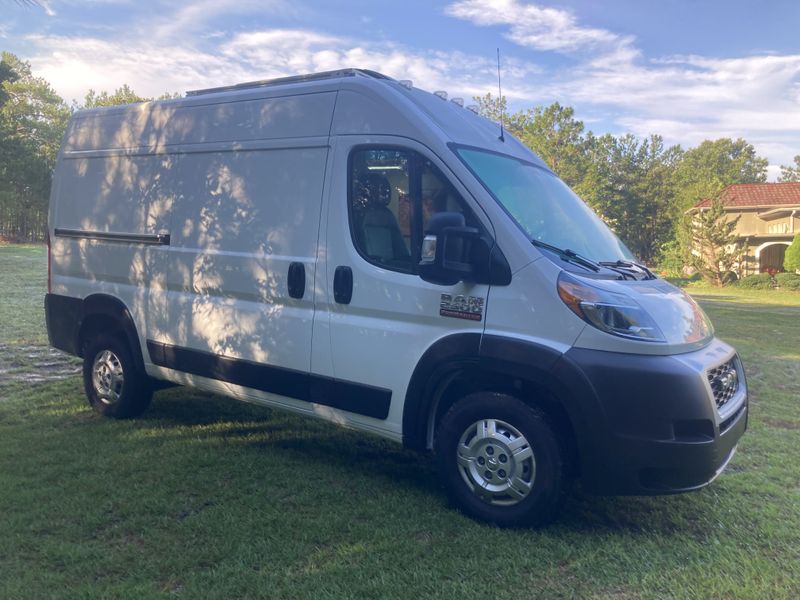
(207, 497)
(23, 283)
(703, 291)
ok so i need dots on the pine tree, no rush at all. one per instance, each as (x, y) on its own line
(791, 260)
(715, 249)
(790, 173)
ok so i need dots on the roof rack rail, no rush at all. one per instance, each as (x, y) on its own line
(293, 79)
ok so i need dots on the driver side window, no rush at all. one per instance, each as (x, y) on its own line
(392, 195)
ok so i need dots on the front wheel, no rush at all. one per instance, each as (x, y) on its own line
(500, 460)
(113, 385)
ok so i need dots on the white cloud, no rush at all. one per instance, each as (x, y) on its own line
(74, 64)
(195, 15)
(534, 26)
(685, 98)
(690, 99)
(45, 4)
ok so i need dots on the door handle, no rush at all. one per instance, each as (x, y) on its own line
(343, 285)
(297, 280)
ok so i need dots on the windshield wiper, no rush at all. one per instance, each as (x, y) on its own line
(567, 254)
(630, 265)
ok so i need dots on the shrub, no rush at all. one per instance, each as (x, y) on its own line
(788, 281)
(761, 281)
(671, 260)
(793, 284)
(791, 260)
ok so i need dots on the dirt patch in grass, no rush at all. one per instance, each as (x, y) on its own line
(780, 424)
(30, 364)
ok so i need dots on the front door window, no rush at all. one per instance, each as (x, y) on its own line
(392, 195)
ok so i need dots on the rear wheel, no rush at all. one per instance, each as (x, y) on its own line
(112, 383)
(500, 460)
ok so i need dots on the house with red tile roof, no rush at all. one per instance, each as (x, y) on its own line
(769, 218)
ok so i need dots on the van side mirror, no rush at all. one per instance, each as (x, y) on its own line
(448, 249)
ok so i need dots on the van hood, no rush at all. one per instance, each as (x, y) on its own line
(680, 319)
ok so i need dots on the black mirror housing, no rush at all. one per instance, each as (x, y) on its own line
(452, 252)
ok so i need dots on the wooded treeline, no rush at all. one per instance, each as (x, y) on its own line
(33, 118)
(640, 187)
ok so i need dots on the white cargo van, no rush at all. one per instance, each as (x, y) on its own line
(348, 247)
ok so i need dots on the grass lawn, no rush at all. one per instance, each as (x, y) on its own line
(205, 496)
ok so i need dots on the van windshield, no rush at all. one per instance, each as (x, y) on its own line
(543, 206)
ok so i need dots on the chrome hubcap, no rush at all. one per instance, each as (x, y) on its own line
(107, 377)
(496, 462)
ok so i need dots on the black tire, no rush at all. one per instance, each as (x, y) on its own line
(545, 470)
(125, 397)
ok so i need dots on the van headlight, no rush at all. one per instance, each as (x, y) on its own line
(613, 313)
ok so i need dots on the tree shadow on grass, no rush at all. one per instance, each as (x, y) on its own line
(301, 438)
(331, 448)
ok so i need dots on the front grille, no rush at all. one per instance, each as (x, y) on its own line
(724, 382)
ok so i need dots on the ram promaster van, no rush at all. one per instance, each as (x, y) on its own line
(346, 246)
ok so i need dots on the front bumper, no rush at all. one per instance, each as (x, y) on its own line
(649, 424)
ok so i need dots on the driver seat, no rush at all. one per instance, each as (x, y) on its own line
(379, 231)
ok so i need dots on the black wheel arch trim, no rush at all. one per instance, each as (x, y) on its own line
(527, 361)
(441, 360)
(66, 316)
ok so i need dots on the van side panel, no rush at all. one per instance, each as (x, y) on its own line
(105, 221)
(191, 212)
(163, 124)
(240, 219)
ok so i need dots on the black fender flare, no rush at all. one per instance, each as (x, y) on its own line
(110, 306)
(517, 359)
(444, 357)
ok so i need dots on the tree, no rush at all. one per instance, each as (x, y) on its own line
(122, 95)
(639, 187)
(705, 171)
(557, 138)
(492, 107)
(7, 73)
(32, 122)
(552, 132)
(496, 109)
(33, 111)
(791, 260)
(629, 182)
(790, 173)
(715, 250)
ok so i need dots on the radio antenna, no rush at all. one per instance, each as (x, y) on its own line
(500, 97)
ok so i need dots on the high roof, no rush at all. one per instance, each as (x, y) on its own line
(751, 195)
(317, 105)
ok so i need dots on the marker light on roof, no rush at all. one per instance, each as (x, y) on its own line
(459, 101)
(441, 94)
(473, 108)
(406, 83)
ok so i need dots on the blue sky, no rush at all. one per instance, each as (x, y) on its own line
(689, 70)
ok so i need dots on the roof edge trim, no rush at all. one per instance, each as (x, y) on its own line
(337, 74)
